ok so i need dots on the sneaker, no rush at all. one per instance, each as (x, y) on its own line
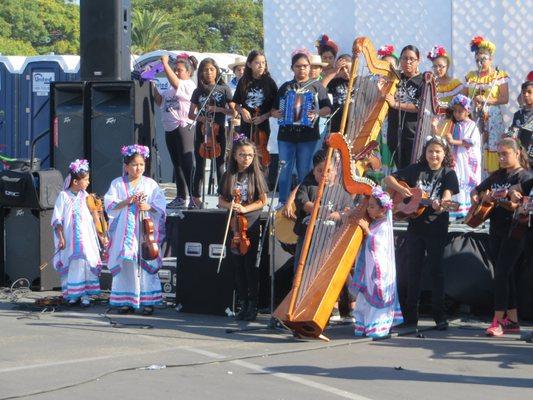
(495, 329)
(73, 301)
(350, 319)
(193, 206)
(441, 325)
(510, 326)
(85, 302)
(335, 316)
(178, 202)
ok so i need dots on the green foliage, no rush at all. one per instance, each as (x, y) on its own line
(52, 26)
(149, 30)
(43, 26)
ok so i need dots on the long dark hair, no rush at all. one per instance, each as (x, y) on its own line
(448, 160)
(247, 77)
(256, 181)
(189, 62)
(203, 64)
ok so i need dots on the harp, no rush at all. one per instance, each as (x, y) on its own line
(333, 236)
(427, 111)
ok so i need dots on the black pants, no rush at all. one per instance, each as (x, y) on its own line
(200, 162)
(505, 252)
(180, 145)
(246, 274)
(423, 249)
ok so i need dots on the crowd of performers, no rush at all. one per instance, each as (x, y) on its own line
(477, 161)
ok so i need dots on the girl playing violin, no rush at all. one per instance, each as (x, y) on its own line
(244, 174)
(212, 119)
(78, 259)
(130, 197)
(433, 174)
(505, 249)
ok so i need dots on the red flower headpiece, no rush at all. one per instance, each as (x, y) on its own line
(478, 42)
(436, 52)
(324, 40)
(386, 51)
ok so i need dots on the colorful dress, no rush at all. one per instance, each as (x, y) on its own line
(445, 94)
(135, 284)
(493, 127)
(79, 263)
(467, 164)
(377, 308)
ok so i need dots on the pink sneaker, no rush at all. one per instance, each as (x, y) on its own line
(496, 328)
(510, 326)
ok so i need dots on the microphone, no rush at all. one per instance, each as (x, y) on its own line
(282, 162)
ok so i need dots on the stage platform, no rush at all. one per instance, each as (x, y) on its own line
(76, 353)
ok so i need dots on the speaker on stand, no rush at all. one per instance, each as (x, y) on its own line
(105, 40)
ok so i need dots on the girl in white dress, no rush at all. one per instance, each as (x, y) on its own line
(130, 198)
(78, 256)
(377, 308)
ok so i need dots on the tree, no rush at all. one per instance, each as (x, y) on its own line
(149, 29)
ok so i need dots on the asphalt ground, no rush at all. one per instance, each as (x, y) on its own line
(67, 352)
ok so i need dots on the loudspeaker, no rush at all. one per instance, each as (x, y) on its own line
(28, 242)
(35, 190)
(122, 113)
(68, 101)
(105, 39)
(199, 242)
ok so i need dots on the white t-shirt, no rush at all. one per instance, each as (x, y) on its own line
(175, 105)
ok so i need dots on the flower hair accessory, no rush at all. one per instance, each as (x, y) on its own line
(438, 139)
(383, 198)
(436, 52)
(301, 50)
(128, 151)
(183, 55)
(478, 42)
(239, 137)
(387, 51)
(324, 40)
(78, 166)
(463, 101)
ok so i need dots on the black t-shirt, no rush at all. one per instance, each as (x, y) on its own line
(242, 183)
(260, 93)
(409, 91)
(500, 218)
(221, 96)
(338, 87)
(523, 120)
(300, 133)
(307, 191)
(527, 187)
(434, 183)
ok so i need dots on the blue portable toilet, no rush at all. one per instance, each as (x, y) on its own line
(34, 105)
(10, 68)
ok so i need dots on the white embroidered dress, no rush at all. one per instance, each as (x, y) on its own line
(135, 284)
(79, 263)
(374, 282)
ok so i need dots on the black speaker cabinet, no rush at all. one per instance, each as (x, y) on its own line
(122, 113)
(105, 39)
(199, 288)
(68, 101)
(28, 242)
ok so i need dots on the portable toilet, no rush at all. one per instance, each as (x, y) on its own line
(34, 105)
(10, 69)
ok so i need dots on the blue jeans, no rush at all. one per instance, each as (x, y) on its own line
(290, 152)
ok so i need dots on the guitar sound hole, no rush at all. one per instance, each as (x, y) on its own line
(406, 200)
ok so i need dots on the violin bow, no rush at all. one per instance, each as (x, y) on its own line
(44, 264)
(225, 235)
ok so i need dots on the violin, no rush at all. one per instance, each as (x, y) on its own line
(95, 206)
(149, 246)
(210, 148)
(240, 243)
(260, 138)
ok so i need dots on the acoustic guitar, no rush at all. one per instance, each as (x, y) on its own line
(479, 212)
(414, 206)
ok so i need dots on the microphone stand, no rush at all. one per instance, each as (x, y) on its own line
(269, 226)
